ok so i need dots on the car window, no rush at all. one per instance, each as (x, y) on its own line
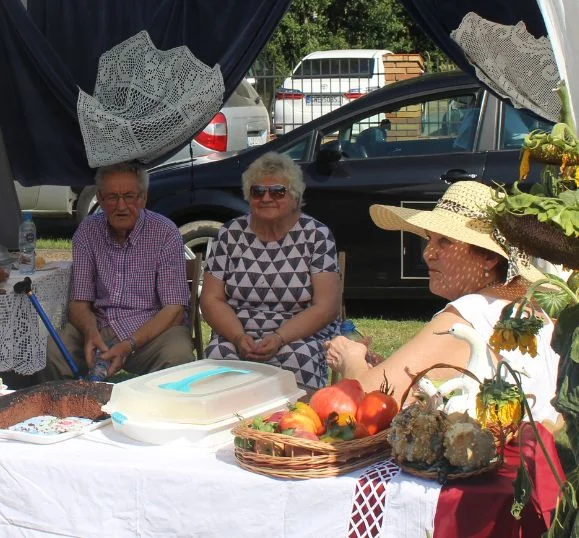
(335, 67)
(296, 151)
(432, 126)
(516, 124)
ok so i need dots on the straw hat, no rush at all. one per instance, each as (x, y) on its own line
(461, 214)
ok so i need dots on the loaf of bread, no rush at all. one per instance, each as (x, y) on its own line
(55, 398)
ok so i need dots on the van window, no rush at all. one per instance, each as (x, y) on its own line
(336, 68)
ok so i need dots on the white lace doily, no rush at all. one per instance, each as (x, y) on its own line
(23, 335)
(512, 62)
(146, 101)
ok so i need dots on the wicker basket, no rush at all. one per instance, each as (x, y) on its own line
(503, 434)
(442, 475)
(303, 458)
(442, 471)
(540, 239)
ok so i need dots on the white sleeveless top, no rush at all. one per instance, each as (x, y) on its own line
(482, 313)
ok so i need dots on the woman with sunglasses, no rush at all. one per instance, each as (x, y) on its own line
(271, 285)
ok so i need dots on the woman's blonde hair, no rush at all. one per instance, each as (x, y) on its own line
(278, 166)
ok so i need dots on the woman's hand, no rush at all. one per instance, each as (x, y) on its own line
(343, 354)
(245, 345)
(267, 348)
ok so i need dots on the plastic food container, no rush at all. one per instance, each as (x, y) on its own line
(200, 401)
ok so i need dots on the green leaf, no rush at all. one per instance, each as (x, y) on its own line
(523, 490)
(575, 347)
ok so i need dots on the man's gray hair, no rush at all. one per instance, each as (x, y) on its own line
(277, 166)
(133, 167)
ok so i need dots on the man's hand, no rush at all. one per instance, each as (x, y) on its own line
(92, 342)
(117, 355)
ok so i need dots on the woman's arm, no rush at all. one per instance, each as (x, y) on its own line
(217, 312)
(419, 353)
(324, 309)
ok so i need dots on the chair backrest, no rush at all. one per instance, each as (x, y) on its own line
(193, 271)
(342, 266)
(334, 377)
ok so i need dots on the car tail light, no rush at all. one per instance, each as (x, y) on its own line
(285, 93)
(354, 94)
(214, 136)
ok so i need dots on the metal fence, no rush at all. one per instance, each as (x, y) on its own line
(318, 87)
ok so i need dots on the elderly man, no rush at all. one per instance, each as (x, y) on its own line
(129, 290)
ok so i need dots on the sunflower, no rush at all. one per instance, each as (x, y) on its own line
(499, 403)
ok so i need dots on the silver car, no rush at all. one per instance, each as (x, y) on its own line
(242, 122)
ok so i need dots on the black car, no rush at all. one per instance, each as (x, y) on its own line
(400, 145)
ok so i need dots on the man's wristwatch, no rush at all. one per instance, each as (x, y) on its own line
(133, 344)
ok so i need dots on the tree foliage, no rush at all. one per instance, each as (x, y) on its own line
(311, 25)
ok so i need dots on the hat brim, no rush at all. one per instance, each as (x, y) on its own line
(421, 222)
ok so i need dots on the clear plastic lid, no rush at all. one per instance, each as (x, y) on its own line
(203, 392)
(5, 258)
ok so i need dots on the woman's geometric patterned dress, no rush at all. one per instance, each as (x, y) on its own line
(267, 283)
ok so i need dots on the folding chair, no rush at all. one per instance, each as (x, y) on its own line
(194, 270)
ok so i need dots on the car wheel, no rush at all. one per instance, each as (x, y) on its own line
(196, 235)
(87, 200)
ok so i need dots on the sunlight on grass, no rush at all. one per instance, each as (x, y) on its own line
(51, 243)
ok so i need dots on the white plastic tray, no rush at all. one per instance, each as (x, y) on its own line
(200, 435)
(40, 439)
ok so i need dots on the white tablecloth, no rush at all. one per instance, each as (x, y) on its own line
(105, 484)
(23, 335)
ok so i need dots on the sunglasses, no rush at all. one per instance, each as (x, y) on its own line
(276, 192)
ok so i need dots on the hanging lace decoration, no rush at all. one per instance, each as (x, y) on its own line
(512, 62)
(146, 102)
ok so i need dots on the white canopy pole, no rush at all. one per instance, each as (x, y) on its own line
(560, 17)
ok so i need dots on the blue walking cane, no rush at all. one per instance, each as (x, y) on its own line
(25, 286)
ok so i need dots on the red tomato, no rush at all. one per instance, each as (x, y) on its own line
(343, 397)
(377, 411)
(361, 431)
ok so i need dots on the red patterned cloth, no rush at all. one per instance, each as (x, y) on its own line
(370, 499)
(478, 507)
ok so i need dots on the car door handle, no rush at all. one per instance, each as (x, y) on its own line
(458, 174)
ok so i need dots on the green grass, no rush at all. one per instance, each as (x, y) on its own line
(51, 243)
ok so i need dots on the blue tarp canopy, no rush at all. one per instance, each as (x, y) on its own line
(50, 48)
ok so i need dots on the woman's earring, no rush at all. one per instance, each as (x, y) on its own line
(486, 273)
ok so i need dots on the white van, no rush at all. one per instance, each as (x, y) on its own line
(325, 80)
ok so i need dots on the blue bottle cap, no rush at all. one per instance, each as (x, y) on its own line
(347, 326)
(27, 215)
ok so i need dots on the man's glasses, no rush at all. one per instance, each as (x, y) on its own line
(276, 192)
(113, 199)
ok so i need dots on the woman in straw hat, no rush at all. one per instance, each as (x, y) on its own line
(474, 268)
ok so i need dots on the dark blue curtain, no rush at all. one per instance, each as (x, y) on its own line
(438, 18)
(51, 48)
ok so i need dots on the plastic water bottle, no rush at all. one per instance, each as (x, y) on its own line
(99, 371)
(348, 329)
(27, 244)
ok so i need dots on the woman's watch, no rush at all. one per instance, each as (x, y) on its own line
(133, 344)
